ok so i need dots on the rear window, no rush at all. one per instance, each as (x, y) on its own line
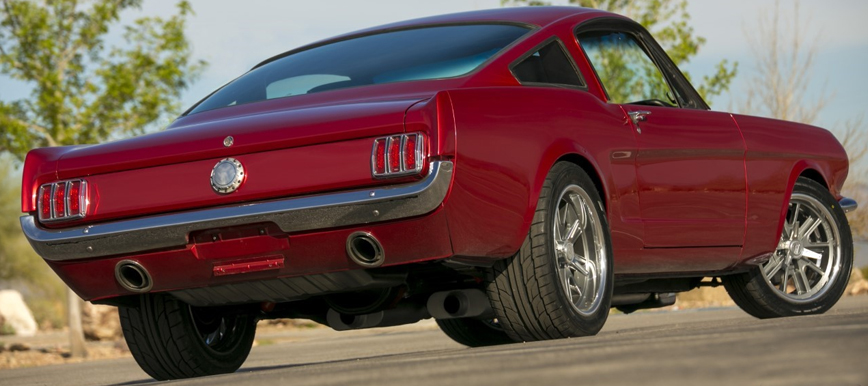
(398, 56)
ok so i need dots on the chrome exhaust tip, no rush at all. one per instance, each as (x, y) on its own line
(365, 250)
(133, 276)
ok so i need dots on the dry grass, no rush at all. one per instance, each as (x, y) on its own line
(60, 355)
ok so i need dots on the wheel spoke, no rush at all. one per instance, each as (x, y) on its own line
(785, 279)
(578, 266)
(574, 232)
(802, 283)
(788, 230)
(795, 228)
(809, 227)
(592, 267)
(557, 231)
(817, 245)
(565, 279)
(770, 269)
(814, 267)
(812, 254)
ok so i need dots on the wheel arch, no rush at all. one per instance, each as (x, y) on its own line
(802, 168)
(588, 167)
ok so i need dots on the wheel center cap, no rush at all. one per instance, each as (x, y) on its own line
(796, 248)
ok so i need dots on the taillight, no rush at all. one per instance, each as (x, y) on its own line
(59, 209)
(379, 162)
(398, 155)
(395, 155)
(409, 152)
(65, 200)
(73, 198)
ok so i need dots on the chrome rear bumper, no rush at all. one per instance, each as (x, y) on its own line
(291, 215)
(848, 204)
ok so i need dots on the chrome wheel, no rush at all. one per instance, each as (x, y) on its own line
(808, 258)
(580, 249)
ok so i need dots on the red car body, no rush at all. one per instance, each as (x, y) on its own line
(694, 193)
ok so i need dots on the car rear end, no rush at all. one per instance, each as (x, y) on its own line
(366, 196)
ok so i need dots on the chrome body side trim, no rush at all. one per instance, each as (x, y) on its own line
(848, 204)
(291, 215)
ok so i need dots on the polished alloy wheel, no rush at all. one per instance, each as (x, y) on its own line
(580, 249)
(807, 259)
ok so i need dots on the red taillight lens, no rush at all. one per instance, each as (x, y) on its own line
(74, 198)
(395, 154)
(65, 200)
(398, 155)
(380, 156)
(45, 202)
(60, 200)
(410, 152)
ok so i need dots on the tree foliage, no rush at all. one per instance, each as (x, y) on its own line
(669, 23)
(83, 89)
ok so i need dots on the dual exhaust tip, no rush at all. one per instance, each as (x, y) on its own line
(365, 250)
(362, 247)
(133, 276)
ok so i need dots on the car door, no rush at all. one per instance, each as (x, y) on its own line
(690, 161)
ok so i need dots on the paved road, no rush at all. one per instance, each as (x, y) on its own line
(720, 346)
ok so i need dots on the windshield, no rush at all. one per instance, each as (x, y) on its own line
(415, 54)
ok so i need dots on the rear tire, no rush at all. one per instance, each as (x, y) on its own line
(474, 332)
(560, 282)
(172, 340)
(810, 268)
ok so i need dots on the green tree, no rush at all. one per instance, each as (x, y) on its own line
(82, 90)
(669, 23)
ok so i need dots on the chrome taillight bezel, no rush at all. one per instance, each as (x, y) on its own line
(418, 155)
(67, 215)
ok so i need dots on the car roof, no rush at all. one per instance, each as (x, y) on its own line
(539, 16)
(532, 16)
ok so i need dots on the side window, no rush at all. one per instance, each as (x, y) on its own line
(625, 70)
(550, 64)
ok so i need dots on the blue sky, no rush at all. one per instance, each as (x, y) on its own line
(234, 35)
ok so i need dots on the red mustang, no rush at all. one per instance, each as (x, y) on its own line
(513, 173)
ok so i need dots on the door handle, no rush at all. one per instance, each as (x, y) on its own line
(639, 116)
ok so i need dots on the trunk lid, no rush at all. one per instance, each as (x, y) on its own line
(251, 133)
(286, 152)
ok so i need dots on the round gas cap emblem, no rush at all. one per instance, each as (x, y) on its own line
(227, 176)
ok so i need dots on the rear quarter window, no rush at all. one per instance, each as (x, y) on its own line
(548, 64)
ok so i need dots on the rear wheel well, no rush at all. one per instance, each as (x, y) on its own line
(815, 176)
(592, 172)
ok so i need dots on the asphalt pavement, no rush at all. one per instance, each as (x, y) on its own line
(708, 347)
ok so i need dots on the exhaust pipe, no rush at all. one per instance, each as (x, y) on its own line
(466, 303)
(133, 276)
(403, 314)
(365, 250)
